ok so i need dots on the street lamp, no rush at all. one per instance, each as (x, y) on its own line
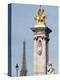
(17, 68)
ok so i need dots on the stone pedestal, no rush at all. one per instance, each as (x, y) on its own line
(41, 38)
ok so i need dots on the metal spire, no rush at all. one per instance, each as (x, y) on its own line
(23, 71)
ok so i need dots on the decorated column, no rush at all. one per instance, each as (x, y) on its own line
(40, 38)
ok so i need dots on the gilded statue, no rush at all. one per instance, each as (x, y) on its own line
(41, 16)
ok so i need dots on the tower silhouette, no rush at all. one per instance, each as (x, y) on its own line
(23, 71)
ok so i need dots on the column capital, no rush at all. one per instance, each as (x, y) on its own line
(46, 30)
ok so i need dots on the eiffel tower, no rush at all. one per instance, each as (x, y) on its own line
(23, 71)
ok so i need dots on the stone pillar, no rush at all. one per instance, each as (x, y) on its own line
(35, 58)
(41, 38)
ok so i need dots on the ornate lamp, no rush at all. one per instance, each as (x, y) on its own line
(17, 68)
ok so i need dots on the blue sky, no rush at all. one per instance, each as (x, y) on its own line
(22, 21)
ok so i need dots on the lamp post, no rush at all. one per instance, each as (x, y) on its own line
(17, 68)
